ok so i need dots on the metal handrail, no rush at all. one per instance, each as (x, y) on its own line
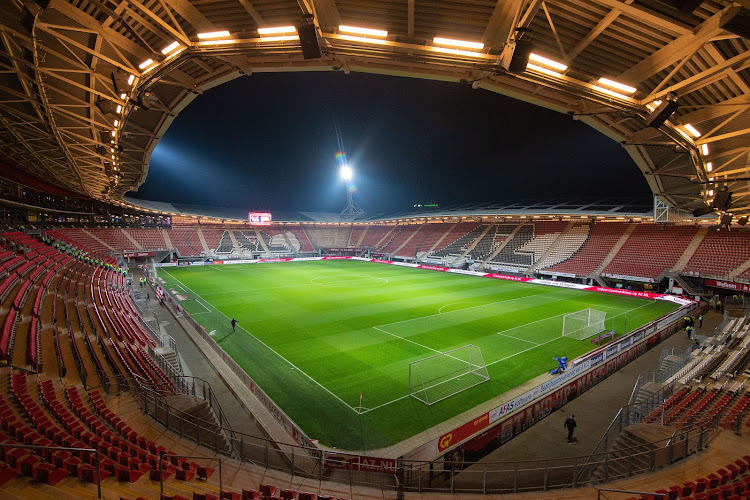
(63, 448)
(629, 492)
(163, 455)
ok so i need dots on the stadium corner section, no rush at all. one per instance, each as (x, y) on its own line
(516, 414)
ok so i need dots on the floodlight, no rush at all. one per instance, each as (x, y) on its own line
(346, 173)
(457, 43)
(617, 85)
(547, 62)
(213, 34)
(145, 64)
(277, 30)
(692, 130)
(169, 48)
(362, 31)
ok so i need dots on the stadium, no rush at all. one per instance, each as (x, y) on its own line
(174, 350)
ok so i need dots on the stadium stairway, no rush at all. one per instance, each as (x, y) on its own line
(202, 239)
(560, 238)
(690, 250)
(615, 249)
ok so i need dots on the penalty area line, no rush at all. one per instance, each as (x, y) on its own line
(273, 351)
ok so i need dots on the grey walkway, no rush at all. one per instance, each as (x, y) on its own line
(195, 363)
(594, 409)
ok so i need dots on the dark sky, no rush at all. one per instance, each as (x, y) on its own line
(267, 142)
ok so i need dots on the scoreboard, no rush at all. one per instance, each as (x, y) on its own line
(259, 218)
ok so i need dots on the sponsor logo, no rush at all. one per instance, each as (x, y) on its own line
(433, 268)
(506, 277)
(445, 441)
(729, 285)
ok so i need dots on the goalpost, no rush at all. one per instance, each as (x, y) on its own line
(583, 324)
(438, 377)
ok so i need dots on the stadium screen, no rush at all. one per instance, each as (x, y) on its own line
(259, 218)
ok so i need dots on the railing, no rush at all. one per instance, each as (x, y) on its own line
(661, 376)
(599, 495)
(62, 448)
(605, 464)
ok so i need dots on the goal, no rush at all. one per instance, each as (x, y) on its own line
(437, 377)
(583, 324)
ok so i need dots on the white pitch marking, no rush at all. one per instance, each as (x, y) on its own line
(345, 282)
(440, 311)
(279, 355)
(408, 340)
(519, 338)
(467, 308)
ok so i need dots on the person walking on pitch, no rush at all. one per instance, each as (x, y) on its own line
(234, 324)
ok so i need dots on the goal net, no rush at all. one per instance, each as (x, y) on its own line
(583, 324)
(437, 377)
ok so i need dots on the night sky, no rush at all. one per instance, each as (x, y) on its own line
(268, 142)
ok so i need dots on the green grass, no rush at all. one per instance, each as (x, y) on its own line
(316, 334)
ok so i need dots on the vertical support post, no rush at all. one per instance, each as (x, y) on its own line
(221, 484)
(98, 475)
(161, 474)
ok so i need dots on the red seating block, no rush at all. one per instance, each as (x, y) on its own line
(184, 475)
(268, 490)
(304, 495)
(230, 495)
(250, 494)
(6, 474)
(204, 472)
(47, 473)
(288, 494)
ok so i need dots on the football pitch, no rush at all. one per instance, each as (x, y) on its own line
(315, 335)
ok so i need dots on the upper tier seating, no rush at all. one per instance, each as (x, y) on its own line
(276, 241)
(456, 242)
(719, 253)
(225, 244)
(81, 238)
(299, 233)
(326, 236)
(429, 235)
(603, 237)
(357, 233)
(186, 241)
(149, 239)
(115, 237)
(568, 244)
(374, 236)
(490, 241)
(213, 237)
(405, 233)
(513, 254)
(651, 250)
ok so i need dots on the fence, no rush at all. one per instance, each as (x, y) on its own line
(607, 463)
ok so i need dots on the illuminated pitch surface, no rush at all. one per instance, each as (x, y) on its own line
(333, 329)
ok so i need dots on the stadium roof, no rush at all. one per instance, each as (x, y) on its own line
(69, 115)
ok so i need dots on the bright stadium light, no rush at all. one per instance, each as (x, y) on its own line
(346, 173)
